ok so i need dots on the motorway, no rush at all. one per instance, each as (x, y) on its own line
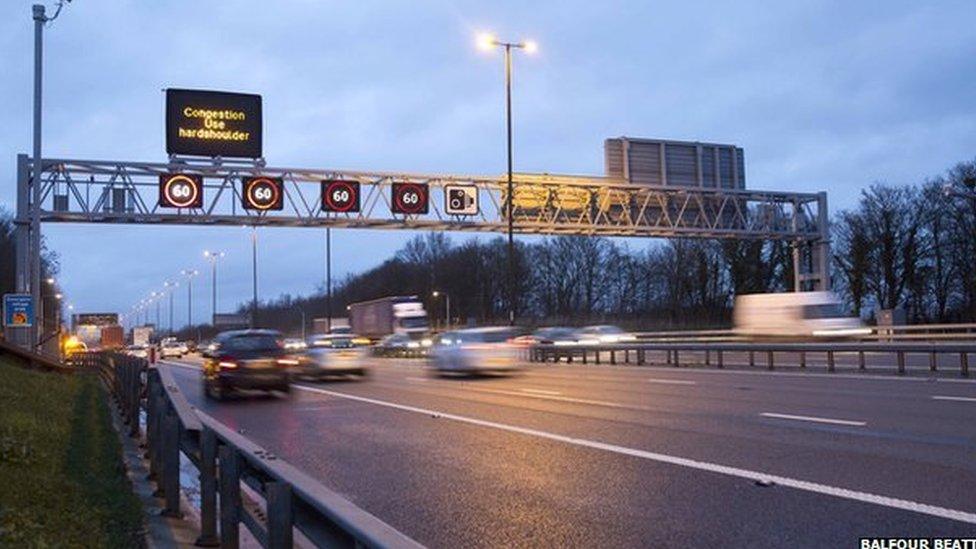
(573, 455)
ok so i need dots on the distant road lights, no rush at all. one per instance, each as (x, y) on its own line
(58, 296)
(170, 288)
(487, 41)
(213, 257)
(50, 280)
(447, 307)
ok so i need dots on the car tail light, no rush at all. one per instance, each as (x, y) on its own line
(287, 362)
(227, 364)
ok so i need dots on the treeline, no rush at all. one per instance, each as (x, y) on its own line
(8, 266)
(560, 280)
(911, 247)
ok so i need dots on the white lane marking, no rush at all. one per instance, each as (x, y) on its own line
(540, 391)
(672, 381)
(411, 378)
(955, 398)
(840, 376)
(844, 493)
(815, 419)
(563, 399)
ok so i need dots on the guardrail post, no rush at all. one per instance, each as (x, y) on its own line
(769, 360)
(613, 357)
(230, 497)
(152, 428)
(677, 359)
(721, 363)
(208, 489)
(278, 495)
(626, 356)
(640, 356)
(170, 481)
(830, 361)
(597, 353)
(861, 365)
(932, 362)
(901, 362)
(752, 358)
(803, 360)
(964, 364)
(708, 358)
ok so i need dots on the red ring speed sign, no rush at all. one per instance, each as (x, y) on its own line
(263, 193)
(180, 190)
(340, 196)
(409, 198)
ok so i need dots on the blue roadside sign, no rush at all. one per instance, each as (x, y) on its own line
(18, 311)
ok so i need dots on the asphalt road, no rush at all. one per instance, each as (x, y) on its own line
(572, 455)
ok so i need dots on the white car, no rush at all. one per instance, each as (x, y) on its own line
(172, 349)
(475, 351)
(325, 361)
(138, 351)
(294, 344)
(603, 333)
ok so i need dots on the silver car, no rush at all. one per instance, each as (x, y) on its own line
(331, 356)
(475, 351)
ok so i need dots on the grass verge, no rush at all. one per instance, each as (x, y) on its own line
(62, 482)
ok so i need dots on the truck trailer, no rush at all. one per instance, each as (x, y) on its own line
(381, 317)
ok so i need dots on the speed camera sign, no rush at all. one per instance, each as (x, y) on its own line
(180, 190)
(340, 196)
(409, 198)
(461, 199)
(263, 193)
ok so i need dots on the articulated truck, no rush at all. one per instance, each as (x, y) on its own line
(378, 318)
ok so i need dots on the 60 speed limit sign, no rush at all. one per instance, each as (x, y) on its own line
(340, 196)
(263, 193)
(180, 190)
(409, 198)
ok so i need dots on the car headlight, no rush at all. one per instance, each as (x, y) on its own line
(413, 345)
(426, 342)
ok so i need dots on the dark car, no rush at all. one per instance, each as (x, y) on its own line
(246, 359)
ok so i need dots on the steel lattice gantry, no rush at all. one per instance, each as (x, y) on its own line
(88, 191)
(94, 191)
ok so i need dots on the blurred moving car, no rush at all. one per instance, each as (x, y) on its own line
(247, 359)
(805, 315)
(332, 357)
(138, 351)
(294, 344)
(172, 348)
(603, 333)
(551, 335)
(402, 346)
(475, 351)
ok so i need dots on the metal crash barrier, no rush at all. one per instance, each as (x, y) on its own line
(224, 460)
(716, 353)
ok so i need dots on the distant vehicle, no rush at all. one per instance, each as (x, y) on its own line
(402, 346)
(805, 315)
(247, 359)
(336, 356)
(553, 335)
(332, 341)
(603, 333)
(141, 335)
(347, 330)
(170, 348)
(138, 351)
(389, 315)
(73, 346)
(294, 344)
(112, 337)
(475, 351)
(191, 346)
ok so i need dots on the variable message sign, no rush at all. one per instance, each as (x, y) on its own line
(211, 123)
(263, 193)
(410, 198)
(340, 196)
(180, 190)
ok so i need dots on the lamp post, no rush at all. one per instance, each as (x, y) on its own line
(254, 276)
(447, 306)
(213, 257)
(189, 274)
(487, 42)
(328, 279)
(170, 288)
(155, 297)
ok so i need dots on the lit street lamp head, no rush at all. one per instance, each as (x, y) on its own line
(486, 41)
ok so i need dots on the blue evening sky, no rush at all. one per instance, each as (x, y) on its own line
(821, 95)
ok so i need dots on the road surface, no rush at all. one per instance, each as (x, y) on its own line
(573, 455)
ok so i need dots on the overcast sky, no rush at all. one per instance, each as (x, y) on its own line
(821, 95)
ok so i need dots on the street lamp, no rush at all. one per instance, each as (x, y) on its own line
(213, 257)
(486, 42)
(154, 296)
(189, 274)
(447, 304)
(169, 288)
